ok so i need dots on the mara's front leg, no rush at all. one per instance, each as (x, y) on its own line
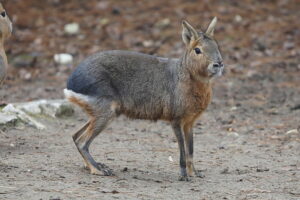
(177, 127)
(189, 149)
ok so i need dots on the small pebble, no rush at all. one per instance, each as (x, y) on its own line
(72, 28)
(63, 58)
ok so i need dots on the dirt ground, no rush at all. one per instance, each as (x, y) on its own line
(247, 143)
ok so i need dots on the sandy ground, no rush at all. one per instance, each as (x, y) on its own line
(243, 149)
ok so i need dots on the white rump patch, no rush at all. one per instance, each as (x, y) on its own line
(70, 93)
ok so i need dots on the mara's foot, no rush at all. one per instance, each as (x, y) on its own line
(183, 178)
(101, 170)
(199, 174)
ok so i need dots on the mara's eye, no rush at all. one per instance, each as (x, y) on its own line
(3, 14)
(197, 50)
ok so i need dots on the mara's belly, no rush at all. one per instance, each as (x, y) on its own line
(147, 112)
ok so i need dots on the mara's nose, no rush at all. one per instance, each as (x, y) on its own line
(217, 65)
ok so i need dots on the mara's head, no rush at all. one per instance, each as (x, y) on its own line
(5, 24)
(202, 52)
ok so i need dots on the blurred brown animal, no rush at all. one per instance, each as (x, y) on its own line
(5, 32)
(142, 86)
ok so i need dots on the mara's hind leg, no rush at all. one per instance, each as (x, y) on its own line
(189, 149)
(78, 133)
(98, 121)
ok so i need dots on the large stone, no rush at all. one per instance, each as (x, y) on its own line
(29, 112)
(57, 108)
(7, 119)
(21, 115)
(51, 108)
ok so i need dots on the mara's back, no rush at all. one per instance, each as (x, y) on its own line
(131, 79)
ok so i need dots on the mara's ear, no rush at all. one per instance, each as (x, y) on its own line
(211, 27)
(188, 33)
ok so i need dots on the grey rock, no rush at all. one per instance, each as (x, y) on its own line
(57, 108)
(29, 112)
(7, 119)
(22, 116)
(51, 108)
(25, 60)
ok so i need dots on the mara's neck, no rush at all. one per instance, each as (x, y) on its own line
(192, 71)
(2, 52)
(3, 63)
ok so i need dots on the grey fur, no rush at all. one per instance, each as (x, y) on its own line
(132, 79)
